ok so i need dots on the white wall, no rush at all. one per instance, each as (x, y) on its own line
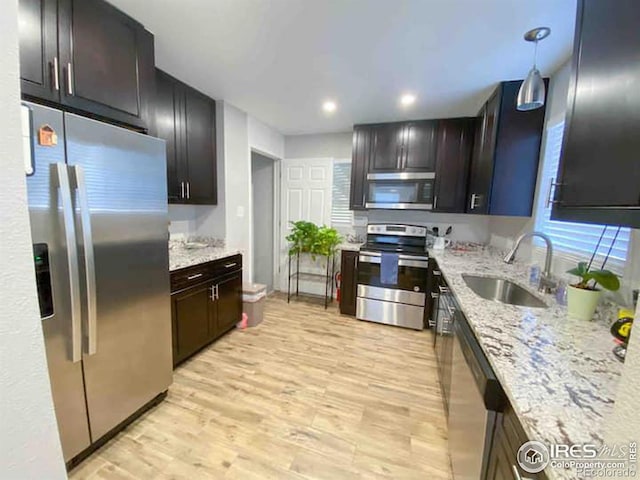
(335, 145)
(29, 442)
(624, 424)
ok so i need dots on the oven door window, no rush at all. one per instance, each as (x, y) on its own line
(399, 192)
(412, 279)
(393, 192)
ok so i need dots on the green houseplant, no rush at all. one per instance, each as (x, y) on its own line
(307, 237)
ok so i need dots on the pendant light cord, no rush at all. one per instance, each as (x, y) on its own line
(535, 54)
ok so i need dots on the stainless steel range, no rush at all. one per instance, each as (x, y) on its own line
(392, 276)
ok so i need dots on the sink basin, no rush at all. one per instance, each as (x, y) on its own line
(501, 290)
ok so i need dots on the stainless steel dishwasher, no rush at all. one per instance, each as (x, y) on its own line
(475, 399)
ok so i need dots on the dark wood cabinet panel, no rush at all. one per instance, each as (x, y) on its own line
(419, 146)
(89, 57)
(166, 128)
(206, 302)
(504, 165)
(229, 301)
(186, 119)
(200, 147)
(359, 167)
(107, 61)
(481, 174)
(191, 320)
(508, 438)
(454, 145)
(599, 178)
(386, 147)
(37, 30)
(349, 284)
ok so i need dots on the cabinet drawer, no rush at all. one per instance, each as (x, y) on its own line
(226, 265)
(190, 276)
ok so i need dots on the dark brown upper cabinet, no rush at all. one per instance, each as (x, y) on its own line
(599, 178)
(89, 57)
(454, 145)
(186, 120)
(38, 31)
(359, 166)
(386, 147)
(420, 146)
(403, 147)
(506, 152)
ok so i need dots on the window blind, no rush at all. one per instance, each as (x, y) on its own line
(575, 240)
(340, 213)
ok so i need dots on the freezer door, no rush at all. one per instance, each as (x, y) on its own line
(49, 232)
(125, 271)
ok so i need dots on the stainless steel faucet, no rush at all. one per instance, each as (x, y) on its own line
(546, 283)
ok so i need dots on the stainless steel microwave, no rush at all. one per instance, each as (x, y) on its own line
(400, 191)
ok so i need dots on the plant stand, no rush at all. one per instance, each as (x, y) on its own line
(327, 277)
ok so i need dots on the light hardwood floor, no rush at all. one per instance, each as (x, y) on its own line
(307, 394)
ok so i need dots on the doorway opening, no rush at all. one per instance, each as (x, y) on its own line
(263, 174)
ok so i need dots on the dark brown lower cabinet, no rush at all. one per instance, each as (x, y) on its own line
(229, 302)
(190, 312)
(349, 285)
(503, 461)
(206, 302)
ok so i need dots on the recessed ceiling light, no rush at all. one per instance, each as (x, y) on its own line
(329, 106)
(407, 99)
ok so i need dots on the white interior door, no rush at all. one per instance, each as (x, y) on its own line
(305, 193)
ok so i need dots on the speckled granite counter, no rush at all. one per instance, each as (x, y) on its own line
(183, 254)
(559, 374)
(352, 247)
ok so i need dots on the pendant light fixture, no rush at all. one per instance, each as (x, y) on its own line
(532, 91)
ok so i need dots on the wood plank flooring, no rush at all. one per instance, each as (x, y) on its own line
(308, 394)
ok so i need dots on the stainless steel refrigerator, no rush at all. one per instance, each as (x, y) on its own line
(98, 207)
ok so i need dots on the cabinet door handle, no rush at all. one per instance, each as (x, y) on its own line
(435, 202)
(56, 74)
(212, 289)
(193, 277)
(181, 189)
(188, 190)
(230, 265)
(437, 273)
(434, 295)
(551, 193)
(69, 79)
(217, 292)
(474, 200)
(516, 474)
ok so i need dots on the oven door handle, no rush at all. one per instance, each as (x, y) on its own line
(401, 262)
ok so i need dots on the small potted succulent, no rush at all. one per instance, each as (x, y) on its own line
(583, 296)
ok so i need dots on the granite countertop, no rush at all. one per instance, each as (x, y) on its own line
(195, 251)
(351, 246)
(559, 373)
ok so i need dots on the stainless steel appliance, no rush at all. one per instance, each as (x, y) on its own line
(98, 206)
(400, 303)
(474, 399)
(400, 191)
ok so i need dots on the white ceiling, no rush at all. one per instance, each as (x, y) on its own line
(280, 59)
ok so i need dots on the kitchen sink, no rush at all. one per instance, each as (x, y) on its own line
(501, 290)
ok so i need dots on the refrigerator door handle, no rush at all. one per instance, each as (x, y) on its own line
(72, 257)
(90, 264)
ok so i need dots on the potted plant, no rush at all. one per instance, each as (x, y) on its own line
(583, 297)
(302, 237)
(307, 237)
